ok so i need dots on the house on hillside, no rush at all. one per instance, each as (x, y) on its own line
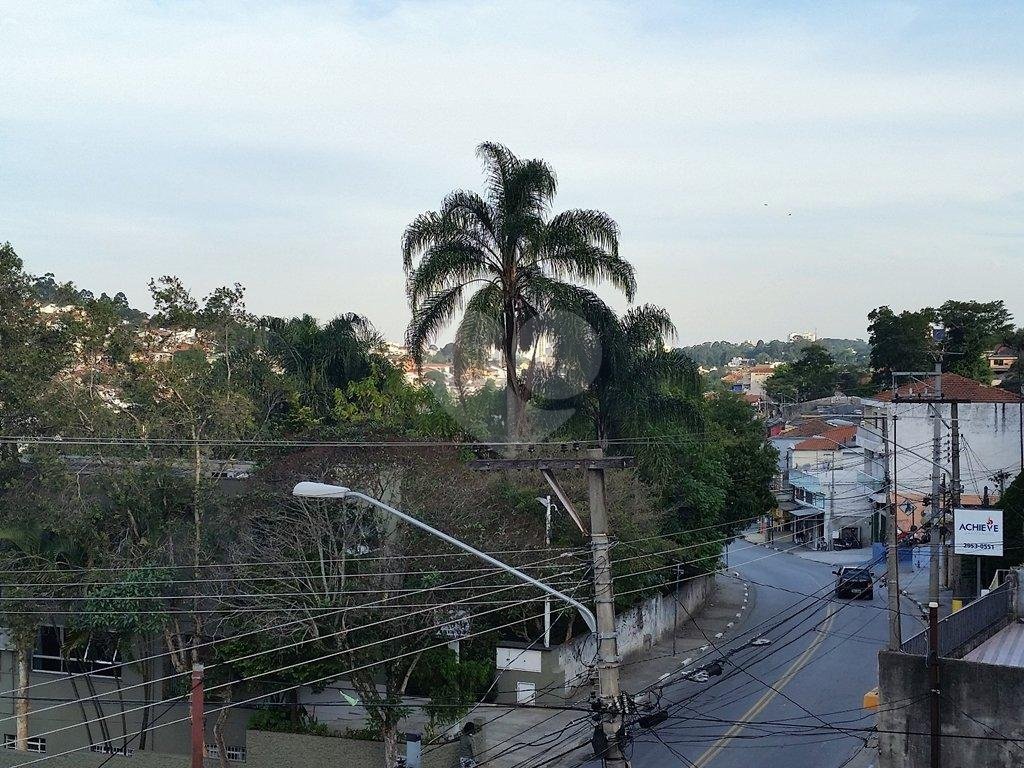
(1000, 361)
(756, 378)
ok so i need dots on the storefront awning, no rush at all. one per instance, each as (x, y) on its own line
(806, 512)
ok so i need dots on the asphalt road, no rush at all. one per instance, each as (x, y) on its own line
(791, 703)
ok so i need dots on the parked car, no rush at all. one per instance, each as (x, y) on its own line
(854, 582)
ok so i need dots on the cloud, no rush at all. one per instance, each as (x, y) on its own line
(287, 144)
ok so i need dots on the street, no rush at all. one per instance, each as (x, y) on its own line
(821, 659)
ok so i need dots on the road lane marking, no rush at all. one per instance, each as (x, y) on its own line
(761, 704)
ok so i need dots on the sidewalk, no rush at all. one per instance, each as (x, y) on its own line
(511, 736)
(784, 543)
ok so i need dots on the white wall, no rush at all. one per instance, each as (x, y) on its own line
(805, 459)
(638, 628)
(990, 441)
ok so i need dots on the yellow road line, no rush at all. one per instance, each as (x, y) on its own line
(761, 704)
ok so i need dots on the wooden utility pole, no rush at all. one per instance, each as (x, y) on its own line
(198, 721)
(935, 695)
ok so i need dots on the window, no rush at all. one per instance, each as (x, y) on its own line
(34, 744)
(106, 749)
(97, 655)
(237, 754)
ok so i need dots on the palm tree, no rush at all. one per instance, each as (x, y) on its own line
(506, 260)
(323, 358)
(638, 380)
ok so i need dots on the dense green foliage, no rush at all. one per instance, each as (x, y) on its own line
(715, 354)
(905, 341)
(164, 510)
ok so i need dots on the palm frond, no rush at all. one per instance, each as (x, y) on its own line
(425, 230)
(430, 317)
(648, 326)
(445, 266)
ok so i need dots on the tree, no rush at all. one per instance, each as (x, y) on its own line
(904, 342)
(323, 557)
(633, 380)
(33, 352)
(1014, 379)
(322, 359)
(175, 306)
(972, 328)
(899, 342)
(518, 260)
(32, 547)
(811, 377)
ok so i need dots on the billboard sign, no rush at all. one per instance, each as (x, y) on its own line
(978, 532)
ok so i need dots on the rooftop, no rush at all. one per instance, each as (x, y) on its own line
(829, 440)
(809, 428)
(1005, 647)
(954, 387)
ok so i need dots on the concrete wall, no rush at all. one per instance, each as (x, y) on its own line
(267, 750)
(991, 438)
(638, 628)
(992, 695)
(122, 715)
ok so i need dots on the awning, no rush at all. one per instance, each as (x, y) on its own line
(806, 512)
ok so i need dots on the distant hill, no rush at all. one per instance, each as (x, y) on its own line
(49, 291)
(713, 354)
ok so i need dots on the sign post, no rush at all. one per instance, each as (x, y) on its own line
(978, 532)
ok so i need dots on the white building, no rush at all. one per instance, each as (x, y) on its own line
(990, 435)
(831, 493)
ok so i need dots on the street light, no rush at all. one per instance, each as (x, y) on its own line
(326, 491)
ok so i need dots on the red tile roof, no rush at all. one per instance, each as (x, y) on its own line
(954, 387)
(829, 440)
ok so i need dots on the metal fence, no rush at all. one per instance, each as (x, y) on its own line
(961, 632)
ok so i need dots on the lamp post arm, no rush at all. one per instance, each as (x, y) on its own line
(588, 616)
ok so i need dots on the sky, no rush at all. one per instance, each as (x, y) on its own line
(774, 167)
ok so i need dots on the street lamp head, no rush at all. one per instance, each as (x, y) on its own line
(320, 491)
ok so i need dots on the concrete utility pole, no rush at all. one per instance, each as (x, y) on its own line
(892, 562)
(547, 598)
(935, 547)
(611, 702)
(604, 604)
(198, 722)
(955, 561)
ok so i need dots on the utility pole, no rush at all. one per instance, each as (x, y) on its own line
(831, 506)
(611, 704)
(547, 598)
(955, 561)
(935, 696)
(892, 563)
(935, 546)
(198, 721)
(604, 604)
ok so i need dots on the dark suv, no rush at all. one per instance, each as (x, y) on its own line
(854, 582)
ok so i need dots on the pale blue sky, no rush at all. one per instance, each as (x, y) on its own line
(286, 145)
